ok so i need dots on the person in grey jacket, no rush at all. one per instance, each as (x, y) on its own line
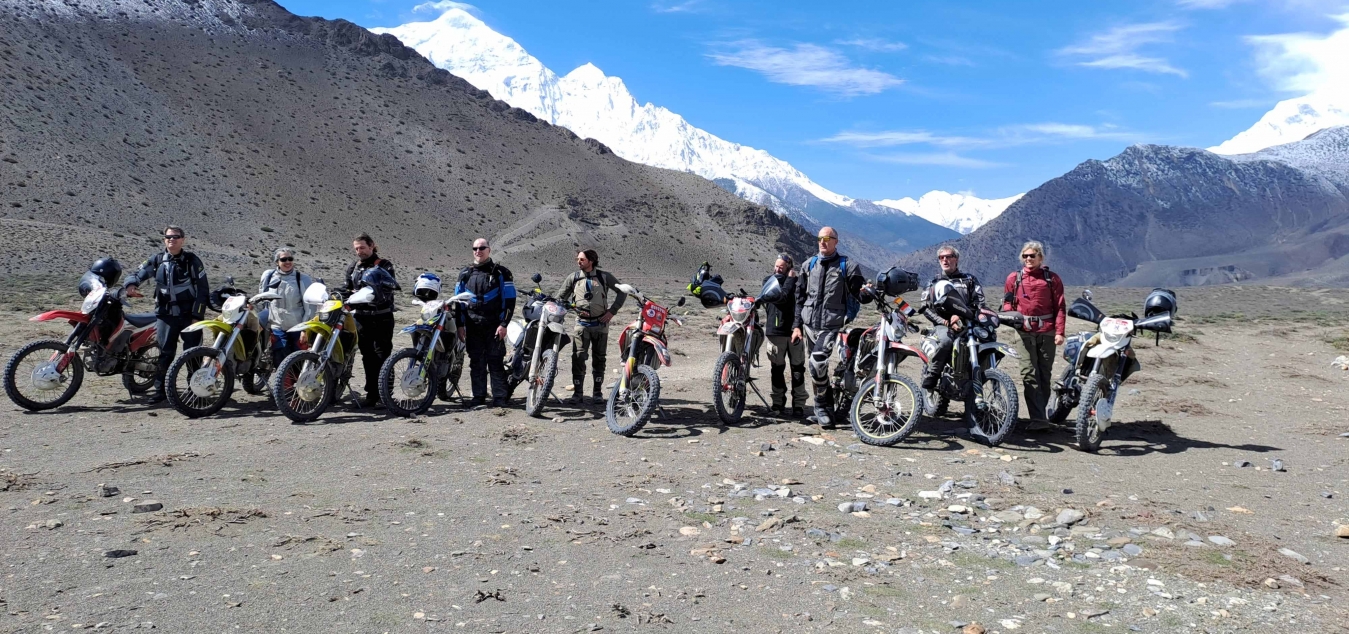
(823, 291)
(290, 310)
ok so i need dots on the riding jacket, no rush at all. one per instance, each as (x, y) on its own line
(181, 288)
(493, 289)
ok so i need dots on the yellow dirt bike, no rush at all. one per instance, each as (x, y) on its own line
(201, 379)
(308, 380)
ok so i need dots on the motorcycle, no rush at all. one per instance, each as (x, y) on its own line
(201, 379)
(973, 376)
(1098, 363)
(636, 394)
(411, 378)
(308, 380)
(888, 405)
(741, 337)
(47, 373)
(536, 340)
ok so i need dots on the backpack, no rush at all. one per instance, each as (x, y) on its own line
(854, 305)
(1021, 273)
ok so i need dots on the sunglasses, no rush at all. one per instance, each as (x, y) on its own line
(173, 237)
(481, 248)
(948, 257)
(285, 259)
(826, 238)
(1029, 256)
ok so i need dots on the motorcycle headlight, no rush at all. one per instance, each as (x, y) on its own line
(981, 333)
(431, 310)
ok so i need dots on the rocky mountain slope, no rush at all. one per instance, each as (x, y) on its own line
(254, 128)
(1160, 215)
(599, 106)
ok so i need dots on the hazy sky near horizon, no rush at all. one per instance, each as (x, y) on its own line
(884, 100)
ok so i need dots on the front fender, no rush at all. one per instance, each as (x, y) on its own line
(216, 326)
(662, 352)
(73, 316)
(417, 328)
(999, 348)
(905, 350)
(557, 328)
(313, 327)
(728, 327)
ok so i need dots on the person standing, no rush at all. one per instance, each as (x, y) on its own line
(182, 294)
(590, 287)
(1037, 293)
(782, 346)
(831, 284)
(289, 310)
(374, 320)
(482, 324)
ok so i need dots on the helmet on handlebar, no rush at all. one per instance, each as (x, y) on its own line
(107, 269)
(1160, 301)
(427, 287)
(897, 281)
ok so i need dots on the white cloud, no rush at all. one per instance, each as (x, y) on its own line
(1118, 47)
(892, 138)
(443, 6)
(1206, 4)
(807, 65)
(944, 159)
(875, 44)
(688, 6)
(1238, 104)
(1305, 62)
(1005, 136)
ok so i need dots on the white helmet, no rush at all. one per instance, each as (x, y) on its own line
(427, 287)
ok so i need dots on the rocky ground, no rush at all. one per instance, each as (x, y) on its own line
(1214, 507)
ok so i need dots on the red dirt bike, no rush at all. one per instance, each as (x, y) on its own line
(887, 405)
(741, 337)
(636, 395)
(47, 373)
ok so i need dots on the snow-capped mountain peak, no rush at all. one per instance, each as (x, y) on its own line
(1288, 121)
(961, 212)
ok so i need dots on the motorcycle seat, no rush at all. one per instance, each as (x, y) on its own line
(141, 320)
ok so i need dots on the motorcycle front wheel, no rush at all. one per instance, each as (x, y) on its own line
(884, 414)
(542, 386)
(998, 415)
(406, 385)
(31, 379)
(1059, 406)
(728, 388)
(1088, 429)
(191, 386)
(302, 388)
(140, 381)
(626, 414)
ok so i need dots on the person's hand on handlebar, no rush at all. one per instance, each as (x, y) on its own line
(133, 291)
(954, 323)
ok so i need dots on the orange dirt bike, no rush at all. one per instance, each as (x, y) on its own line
(47, 373)
(636, 395)
(741, 336)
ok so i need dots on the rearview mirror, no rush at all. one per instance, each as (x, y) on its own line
(536, 277)
(1086, 294)
(681, 301)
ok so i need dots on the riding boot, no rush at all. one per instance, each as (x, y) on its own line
(598, 396)
(158, 395)
(576, 398)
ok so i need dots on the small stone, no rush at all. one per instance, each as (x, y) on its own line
(1006, 479)
(1067, 491)
(107, 491)
(1277, 465)
(1163, 532)
(1291, 580)
(1132, 550)
(769, 524)
(972, 628)
(930, 495)
(1042, 596)
(815, 533)
(1221, 541)
(1342, 531)
(1068, 517)
(1294, 555)
(1241, 464)
(148, 506)
(689, 531)
(958, 508)
(559, 419)
(53, 524)
(1327, 495)
(1271, 583)
(119, 553)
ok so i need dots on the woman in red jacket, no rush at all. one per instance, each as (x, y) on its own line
(1037, 293)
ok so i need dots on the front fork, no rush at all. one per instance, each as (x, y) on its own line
(540, 327)
(630, 364)
(73, 343)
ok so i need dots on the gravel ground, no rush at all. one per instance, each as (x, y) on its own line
(490, 521)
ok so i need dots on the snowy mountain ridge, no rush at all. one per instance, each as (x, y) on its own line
(598, 106)
(961, 212)
(1288, 121)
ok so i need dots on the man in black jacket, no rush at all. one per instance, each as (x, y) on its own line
(829, 284)
(782, 347)
(374, 320)
(181, 297)
(482, 324)
(970, 291)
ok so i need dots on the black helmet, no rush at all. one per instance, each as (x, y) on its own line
(711, 294)
(1160, 301)
(107, 269)
(896, 282)
(379, 279)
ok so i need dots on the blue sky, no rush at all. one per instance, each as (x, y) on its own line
(888, 99)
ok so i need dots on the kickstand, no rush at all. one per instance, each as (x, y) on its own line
(660, 412)
(752, 386)
(555, 398)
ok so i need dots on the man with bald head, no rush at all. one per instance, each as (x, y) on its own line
(827, 285)
(482, 324)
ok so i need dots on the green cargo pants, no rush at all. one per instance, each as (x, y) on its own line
(1037, 371)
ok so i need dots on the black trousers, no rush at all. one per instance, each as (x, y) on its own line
(376, 344)
(486, 356)
(168, 330)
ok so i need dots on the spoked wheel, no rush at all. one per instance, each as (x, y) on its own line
(451, 384)
(407, 385)
(936, 404)
(728, 387)
(35, 379)
(302, 387)
(1057, 409)
(541, 386)
(140, 381)
(1088, 427)
(998, 413)
(255, 380)
(627, 413)
(197, 384)
(886, 414)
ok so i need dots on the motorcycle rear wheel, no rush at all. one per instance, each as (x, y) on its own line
(451, 384)
(140, 381)
(728, 388)
(1088, 429)
(1058, 407)
(629, 416)
(391, 383)
(1000, 407)
(184, 369)
(289, 400)
(255, 379)
(542, 386)
(17, 370)
(896, 418)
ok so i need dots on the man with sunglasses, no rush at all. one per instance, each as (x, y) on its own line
(375, 320)
(590, 286)
(1037, 293)
(181, 297)
(823, 294)
(973, 295)
(482, 324)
